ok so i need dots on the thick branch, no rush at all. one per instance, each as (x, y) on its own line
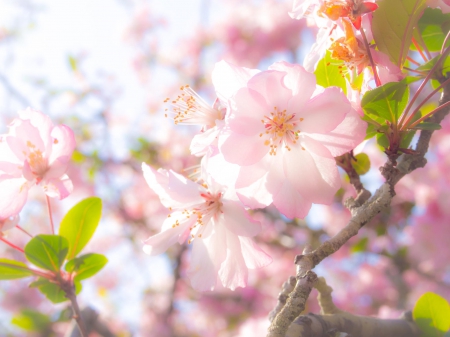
(334, 321)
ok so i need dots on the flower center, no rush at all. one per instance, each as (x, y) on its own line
(37, 162)
(281, 129)
(190, 108)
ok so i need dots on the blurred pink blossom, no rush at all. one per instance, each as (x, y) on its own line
(33, 152)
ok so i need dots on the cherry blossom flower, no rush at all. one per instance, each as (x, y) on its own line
(285, 133)
(34, 152)
(334, 9)
(444, 5)
(218, 228)
(190, 108)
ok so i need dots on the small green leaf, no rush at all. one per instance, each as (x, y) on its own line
(47, 251)
(387, 101)
(80, 223)
(361, 164)
(360, 246)
(10, 270)
(31, 320)
(51, 290)
(329, 73)
(427, 126)
(86, 266)
(434, 26)
(392, 26)
(432, 314)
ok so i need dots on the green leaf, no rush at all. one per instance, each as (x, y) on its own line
(362, 163)
(47, 251)
(382, 140)
(80, 223)
(10, 270)
(406, 138)
(434, 26)
(427, 126)
(360, 246)
(443, 69)
(387, 101)
(86, 266)
(432, 314)
(392, 26)
(329, 73)
(51, 290)
(31, 320)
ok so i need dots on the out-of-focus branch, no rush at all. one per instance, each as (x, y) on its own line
(93, 324)
(296, 301)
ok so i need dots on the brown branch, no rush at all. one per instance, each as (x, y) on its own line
(335, 322)
(296, 301)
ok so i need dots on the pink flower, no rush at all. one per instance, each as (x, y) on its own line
(8, 223)
(218, 228)
(190, 109)
(34, 152)
(285, 134)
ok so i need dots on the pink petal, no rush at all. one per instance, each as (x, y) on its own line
(236, 219)
(347, 135)
(250, 108)
(202, 141)
(300, 81)
(241, 149)
(270, 85)
(58, 187)
(13, 195)
(169, 235)
(291, 203)
(253, 255)
(233, 272)
(63, 144)
(323, 113)
(228, 79)
(312, 172)
(173, 189)
(206, 258)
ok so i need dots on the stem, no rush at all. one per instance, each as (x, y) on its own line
(49, 207)
(414, 71)
(422, 85)
(429, 114)
(23, 230)
(70, 294)
(419, 49)
(372, 63)
(410, 59)
(424, 46)
(12, 245)
(445, 42)
(423, 102)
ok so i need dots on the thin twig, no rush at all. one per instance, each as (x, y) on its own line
(49, 207)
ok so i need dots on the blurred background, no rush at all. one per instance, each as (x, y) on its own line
(104, 68)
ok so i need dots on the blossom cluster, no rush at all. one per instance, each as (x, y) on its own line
(270, 138)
